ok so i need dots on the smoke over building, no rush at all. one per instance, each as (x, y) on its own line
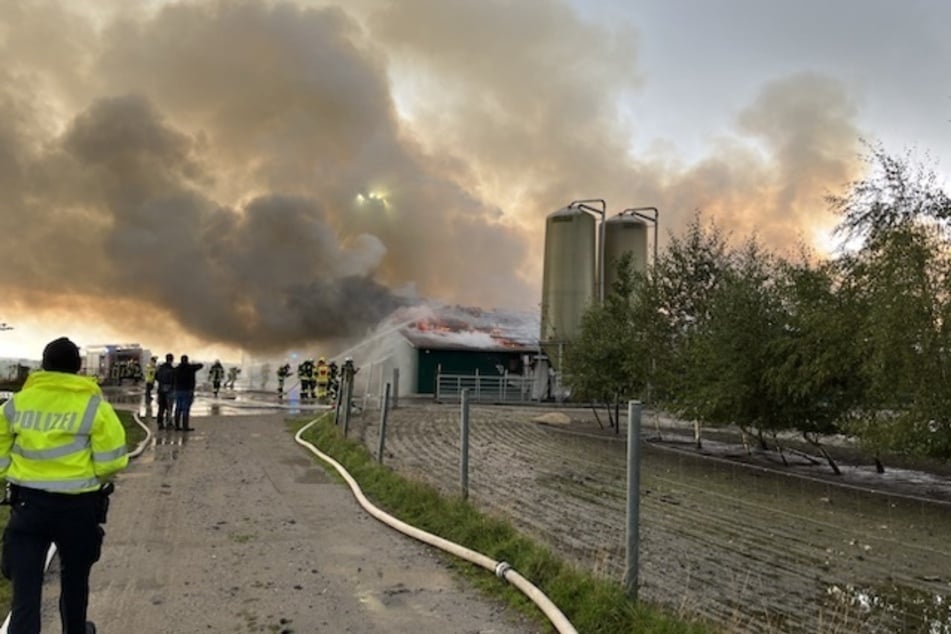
(267, 174)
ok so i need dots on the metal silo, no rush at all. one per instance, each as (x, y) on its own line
(568, 277)
(623, 233)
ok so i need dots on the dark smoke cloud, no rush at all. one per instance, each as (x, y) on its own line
(266, 174)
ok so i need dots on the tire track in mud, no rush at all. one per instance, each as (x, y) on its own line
(755, 552)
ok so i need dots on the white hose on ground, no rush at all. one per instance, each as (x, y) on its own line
(500, 568)
(52, 551)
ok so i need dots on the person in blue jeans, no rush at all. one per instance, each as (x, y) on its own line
(184, 392)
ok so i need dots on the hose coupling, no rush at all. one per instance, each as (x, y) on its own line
(501, 568)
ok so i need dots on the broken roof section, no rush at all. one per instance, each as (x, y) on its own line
(445, 327)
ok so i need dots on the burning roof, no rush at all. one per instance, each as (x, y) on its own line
(466, 328)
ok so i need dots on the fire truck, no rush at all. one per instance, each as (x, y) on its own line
(116, 364)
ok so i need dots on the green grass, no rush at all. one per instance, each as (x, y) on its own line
(133, 431)
(594, 606)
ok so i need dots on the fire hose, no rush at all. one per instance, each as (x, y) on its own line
(501, 569)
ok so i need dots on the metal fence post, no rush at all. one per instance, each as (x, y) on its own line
(464, 445)
(348, 397)
(341, 388)
(396, 387)
(633, 495)
(383, 412)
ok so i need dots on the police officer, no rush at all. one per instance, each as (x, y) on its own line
(60, 442)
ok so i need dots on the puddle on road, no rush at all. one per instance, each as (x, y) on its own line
(895, 608)
(203, 406)
(171, 438)
(239, 404)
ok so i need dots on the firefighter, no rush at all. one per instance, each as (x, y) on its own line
(135, 371)
(217, 374)
(150, 368)
(333, 385)
(232, 377)
(282, 373)
(347, 372)
(58, 478)
(322, 379)
(305, 373)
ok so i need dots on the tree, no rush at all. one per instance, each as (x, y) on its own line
(676, 304)
(728, 353)
(814, 375)
(609, 361)
(902, 280)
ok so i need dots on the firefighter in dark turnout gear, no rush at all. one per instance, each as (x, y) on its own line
(333, 383)
(282, 373)
(305, 372)
(217, 374)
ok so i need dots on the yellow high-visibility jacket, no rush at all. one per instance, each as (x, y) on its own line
(150, 372)
(58, 434)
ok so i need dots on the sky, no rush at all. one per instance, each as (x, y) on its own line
(213, 178)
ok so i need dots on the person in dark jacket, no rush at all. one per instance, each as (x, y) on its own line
(184, 391)
(165, 380)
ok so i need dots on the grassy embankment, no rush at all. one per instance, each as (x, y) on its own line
(134, 434)
(594, 606)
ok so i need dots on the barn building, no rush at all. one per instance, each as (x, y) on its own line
(429, 343)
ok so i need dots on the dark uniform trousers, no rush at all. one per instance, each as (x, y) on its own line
(38, 519)
(164, 414)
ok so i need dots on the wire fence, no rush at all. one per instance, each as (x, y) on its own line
(753, 547)
(501, 388)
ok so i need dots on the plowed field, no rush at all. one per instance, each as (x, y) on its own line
(754, 549)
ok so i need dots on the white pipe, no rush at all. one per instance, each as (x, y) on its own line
(500, 568)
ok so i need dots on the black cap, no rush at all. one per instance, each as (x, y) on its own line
(62, 355)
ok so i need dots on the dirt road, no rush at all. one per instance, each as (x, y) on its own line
(234, 528)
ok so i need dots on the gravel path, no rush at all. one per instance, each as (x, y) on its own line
(234, 528)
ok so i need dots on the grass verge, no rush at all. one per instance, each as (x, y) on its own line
(133, 431)
(594, 606)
